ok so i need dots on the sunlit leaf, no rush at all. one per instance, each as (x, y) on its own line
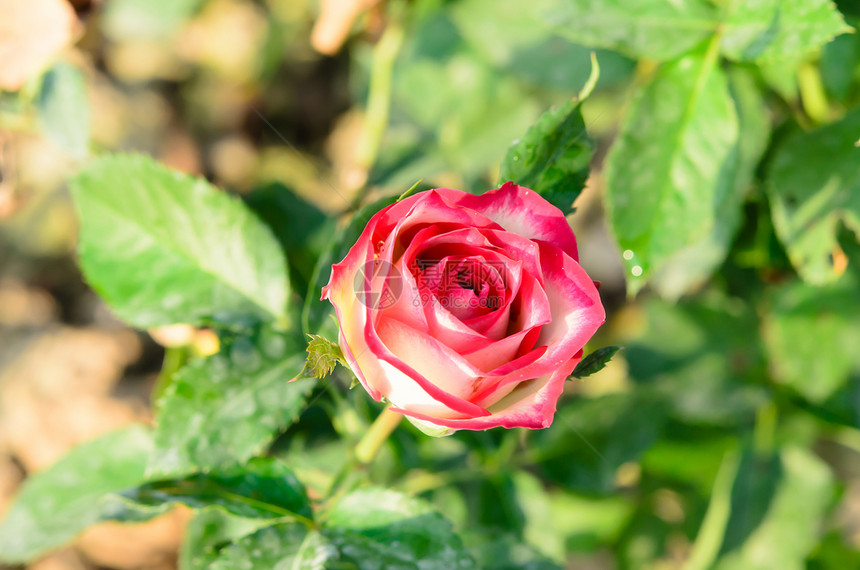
(57, 504)
(280, 547)
(656, 29)
(209, 531)
(162, 247)
(696, 260)
(814, 186)
(760, 30)
(667, 172)
(224, 409)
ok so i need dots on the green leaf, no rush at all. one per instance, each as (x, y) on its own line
(841, 54)
(814, 186)
(464, 111)
(687, 461)
(55, 505)
(777, 510)
(299, 226)
(812, 335)
(64, 109)
(656, 29)
(260, 488)
(591, 438)
(696, 261)
(210, 530)
(280, 547)
(553, 157)
(162, 247)
(323, 356)
(529, 52)
(594, 362)
(504, 551)
(556, 522)
(370, 529)
(670, 166)
(704, 357)
(377, 528)
(224, 409)
(762, 30)
(710, 535)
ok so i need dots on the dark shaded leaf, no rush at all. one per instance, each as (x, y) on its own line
(260, 488)
(299, 226)
(594, 362)
(381, 529)
(553, 157)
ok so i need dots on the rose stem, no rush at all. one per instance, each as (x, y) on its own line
(379, 431)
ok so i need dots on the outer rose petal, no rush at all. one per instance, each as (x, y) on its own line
(576, 309)
(431, 207)
(521, 211)
(351, 315)
(530, 405)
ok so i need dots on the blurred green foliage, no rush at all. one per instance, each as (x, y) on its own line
(725, 166)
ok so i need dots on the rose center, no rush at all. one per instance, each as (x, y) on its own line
(467, 287)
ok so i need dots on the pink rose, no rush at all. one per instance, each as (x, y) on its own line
(464, 311)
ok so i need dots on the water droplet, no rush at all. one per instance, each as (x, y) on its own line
(628, 254)
(636, 271)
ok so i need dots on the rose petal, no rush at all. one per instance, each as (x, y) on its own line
(398, 223)
(445, 368)
(576, 311)
(521, 211)
(351, 318)
(530, 405)
(406, 384)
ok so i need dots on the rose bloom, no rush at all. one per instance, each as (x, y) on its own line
(465, 311)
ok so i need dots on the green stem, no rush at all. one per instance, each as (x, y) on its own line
(175, 357)
(379, 431)
(812, 94)
(378, 101)
(710, 537)
(764, 431)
